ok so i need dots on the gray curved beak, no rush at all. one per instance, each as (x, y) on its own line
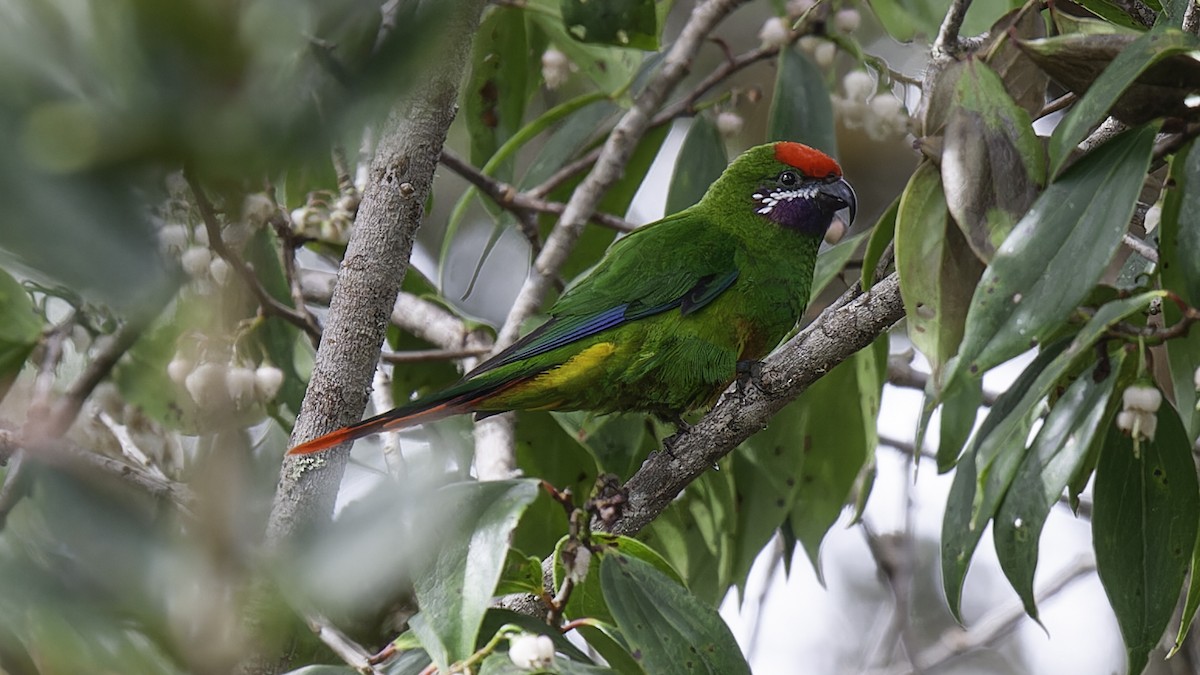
(840, 193)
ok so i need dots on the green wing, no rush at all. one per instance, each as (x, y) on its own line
(681, 262)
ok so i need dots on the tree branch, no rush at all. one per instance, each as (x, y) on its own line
(947, 44)
(850, 324)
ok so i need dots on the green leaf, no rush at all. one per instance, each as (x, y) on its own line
(895, 19)
(801, 109)
(1144, 529)
(960, 408)
(840, 416)
(454, 591)
(1132, 59)
(587, 598)
(20, 328)
(937, 269)
(605, 639)
(494, 95)
(882, 234)
(987, 469)
(610, 68)
(695, 533)
(701, 161)
(1180, 267)
(619, 443)
(1056, 454)
(277, 338)
(992, 162)
(546, 450)
(668, 629)
(1056, 253)
(832, 261)
(1023, 80)
(623, 23)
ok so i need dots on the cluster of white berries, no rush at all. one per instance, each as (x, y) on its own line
(1138, 416)
(326, 218)
(182, 237)
(556, 68)
(218, 386)
(531, 652)
(881, 115)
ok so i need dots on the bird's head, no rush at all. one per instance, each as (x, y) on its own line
(789, 184)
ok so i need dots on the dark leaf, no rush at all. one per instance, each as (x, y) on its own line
(624, 23)
(700, 162)
(801, 109)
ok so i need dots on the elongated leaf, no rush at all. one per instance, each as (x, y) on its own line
(841, 412)
(547, 450)
(959, 410)
(1024, 81)
(696, 533)
(587, 597)
(801, 109)
(495, 93)
(624, 23)
(992, 162)
(701, 161)
(1144, 529)
(1055, 254)
(937, 269)
(882, 234)
(20, 327)
(668, 629)
(454, 592)
(610, 68)
(1132, 59)
(1056, 454)
(1181, 274)
(618, 443)
(832, 261)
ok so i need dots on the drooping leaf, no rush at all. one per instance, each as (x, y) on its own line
(20, 327)
(960, 407)
(547, 451)
(1144, 529)
(841, 413)
(623, 23)
(832, 261)
(1056, 453)
(1055, 254)
(1180, 239)
(587, 597)
(937, 269)
(992, 162)
(986, 470)
(1103, 70)
(455, 589)
(610, 68)
(495, 93)
(1024, 81)
(618, 443)
(668, 629)
(882, 234)
(696, 533)
(801, 109)
(700, 162)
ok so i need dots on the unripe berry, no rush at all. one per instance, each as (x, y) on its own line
(797, 8)
(824, 54)
(178, 369)
(267, 382)
(729, 124)
(219, 269)
(531, 652)
(1141, 397)
(173, 237)
(847, 20)
(240, 382)
(206, 385)
(859, 85)
(195, 261)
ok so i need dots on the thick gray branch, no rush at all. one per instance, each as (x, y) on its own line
(369, 279)
(841, 330)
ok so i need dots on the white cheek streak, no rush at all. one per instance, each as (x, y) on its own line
(770, 200)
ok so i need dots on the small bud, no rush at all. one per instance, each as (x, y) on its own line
(824, 54)
(1153, 217)
(206, 385)
(240, 382)
(267, 382)
(178, 369)
(847, 20)
(219, 269)
(775, 32)
(257, 208)
(797, 8)
(531, 652)
(729, 124)
(195, 261)
(859, 85)
(556, 68)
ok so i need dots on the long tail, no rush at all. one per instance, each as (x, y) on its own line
(411, 415)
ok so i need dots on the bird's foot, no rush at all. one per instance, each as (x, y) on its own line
(681, 427)
(749, 372)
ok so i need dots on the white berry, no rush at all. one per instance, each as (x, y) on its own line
(267, 381)
(195, 261)
(847, 20)
(859, 85)
(219, 269)
(1153, 218)
(556, 68)
(240, 382)
(797, 8)
(730, 124)
(775, 32)
(173, 236)
(531, 652)
(178, 369)
(257, 208)
(824, 54)
(206, 385)
(1141, 397)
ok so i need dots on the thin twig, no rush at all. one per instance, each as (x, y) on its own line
(354, 654)
(1140, 247)
(947, 44)
(426, 355)
(269, 304)
(1191, 18)
(1056, 105)
(1138, 11)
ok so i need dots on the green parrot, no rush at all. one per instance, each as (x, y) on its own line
(672, 314)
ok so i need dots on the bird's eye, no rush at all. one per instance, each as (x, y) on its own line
(788, 178)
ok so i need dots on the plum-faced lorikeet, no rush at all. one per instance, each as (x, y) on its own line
(662, 323)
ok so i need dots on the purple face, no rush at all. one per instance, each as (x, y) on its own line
(796, 208)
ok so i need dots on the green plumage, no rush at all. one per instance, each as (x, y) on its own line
(661, 322)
